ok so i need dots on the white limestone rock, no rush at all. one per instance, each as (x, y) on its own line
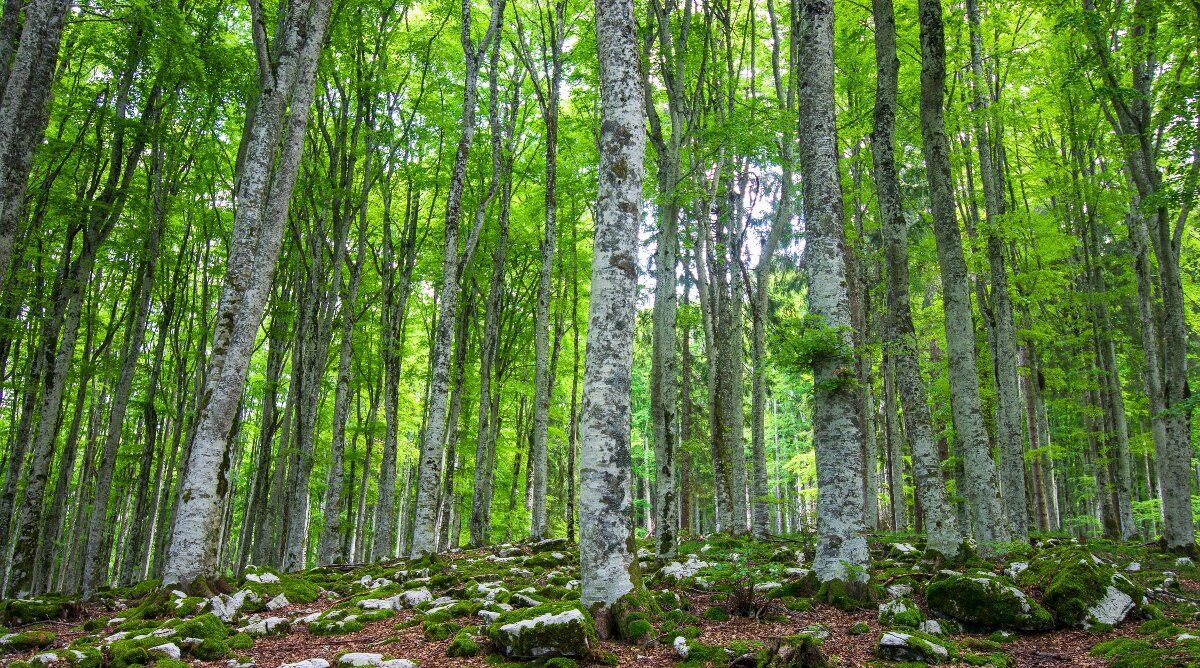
(898, 646)
(170, 650)
(316, 662)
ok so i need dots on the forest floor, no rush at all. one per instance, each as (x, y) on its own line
(723, 602)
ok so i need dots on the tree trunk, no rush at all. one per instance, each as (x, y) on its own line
(988, 525)
(608, 565)
(841, 544)
(264, 195)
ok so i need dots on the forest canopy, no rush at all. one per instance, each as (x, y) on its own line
(303, 283)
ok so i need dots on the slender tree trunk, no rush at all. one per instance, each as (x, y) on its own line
(988, 525)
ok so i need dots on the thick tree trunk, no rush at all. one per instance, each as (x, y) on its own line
(841, 544)
(608, 565)
(263, 198)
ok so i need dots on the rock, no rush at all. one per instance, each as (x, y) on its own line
(550, 630)
(307, 619)
(899, 590)
(226, 608)
(931, 626)
(398, 663)
(488, 616)
(1184, 562)
(524, 601)
(510, 552)
(278, 602)
(171, 650)
(764, 587)
(268, 626)
(234, 663)
(681, 647)
(797, 573)
(1110, 610)
(1079, 591)
(315, 662)
(905, 550)
(1133, 567)
(358, 659)
(1016, 568)
(263, 578)
(899, 646)
(548, 545)
(981, 600)
(900, 612)
(414, 597)
(679, 571)
(818, 631)
(1186, 636)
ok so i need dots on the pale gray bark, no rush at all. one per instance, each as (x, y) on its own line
(608, 565)
(263, 197)
(988, 524)
(24, 91)
(941, 530)
(553, 29)
(433, 440)
(1004, 348)
(841, 543)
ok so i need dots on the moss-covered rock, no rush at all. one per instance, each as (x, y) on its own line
(900, 612)
(24, 642)
(20, 611)
(204, 627)
(1080, 590)
(981, 600)
(462, 645)
(544, 631)
(905, 645)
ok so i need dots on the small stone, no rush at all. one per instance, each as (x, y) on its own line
(764, 587)
(899, 590)
(1184, 562)
(315, 662)
(1133, 567)
(414, 597)
(359, 659)
(263, 578)
(681, 647)
(931, 626)
(266, 626)
(171, 650)
(278, 602)
(1016, 568)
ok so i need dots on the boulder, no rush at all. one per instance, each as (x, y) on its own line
(1081, 591)
(169, 650)
(545, 631)
(980, 600)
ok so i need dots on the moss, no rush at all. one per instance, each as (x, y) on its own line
(170, 663)
(980, 600)
(333, 627)
(439, 630)
(128, 653)
(996, 660)
(463, 645)
(21, 611)
(29, 640)
(845, 595)
(901, 612)
(717, 614)
(205, 627)
(576, 637)
(139, 590)
(241, 641)
(562, 662)
(1133, 653)
(639, 629)
(211, 649)
(860, 628)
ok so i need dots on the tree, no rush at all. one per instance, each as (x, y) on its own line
(607, 564)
